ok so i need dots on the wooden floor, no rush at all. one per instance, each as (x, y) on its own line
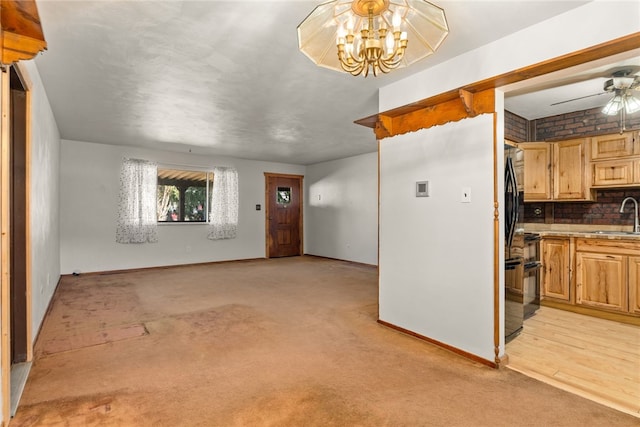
(595, 358)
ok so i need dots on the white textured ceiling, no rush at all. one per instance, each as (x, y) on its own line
(226, 77)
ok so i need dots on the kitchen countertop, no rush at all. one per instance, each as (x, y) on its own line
(587, 231)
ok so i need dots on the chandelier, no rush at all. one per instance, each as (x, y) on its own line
(377, 36)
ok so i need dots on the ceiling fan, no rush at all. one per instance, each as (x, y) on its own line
(621, 83)
(623, 100)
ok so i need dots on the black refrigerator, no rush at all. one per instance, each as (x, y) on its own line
(514, 242)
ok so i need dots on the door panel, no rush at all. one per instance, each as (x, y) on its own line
(284, 215)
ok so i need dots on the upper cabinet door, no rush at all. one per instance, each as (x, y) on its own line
(537, 171)
(571, 178)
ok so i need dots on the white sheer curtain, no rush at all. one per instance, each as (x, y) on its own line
(137, 217)
(223, 216)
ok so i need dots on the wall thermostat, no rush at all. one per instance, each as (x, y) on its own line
(422, 189)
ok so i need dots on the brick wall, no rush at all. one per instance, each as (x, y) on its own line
(565, 126)
(578, 124)
(605, 211)
(516, 128)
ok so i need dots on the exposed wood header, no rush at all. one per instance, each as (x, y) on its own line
(21, 35)
(474, 98)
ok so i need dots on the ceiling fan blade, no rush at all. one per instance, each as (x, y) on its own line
(575, 99)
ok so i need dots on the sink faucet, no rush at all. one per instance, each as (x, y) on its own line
(636, 227)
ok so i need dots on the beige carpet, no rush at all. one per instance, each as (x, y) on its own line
(282, 342)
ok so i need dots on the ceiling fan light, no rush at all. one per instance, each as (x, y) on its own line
(614, 105)
(631, 104)
(623, 82)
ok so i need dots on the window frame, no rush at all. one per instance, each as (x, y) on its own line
(209, 176)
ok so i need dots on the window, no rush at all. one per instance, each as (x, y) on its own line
(283, 196)
(183, 195)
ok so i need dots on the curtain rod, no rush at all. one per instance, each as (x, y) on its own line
(180, 165)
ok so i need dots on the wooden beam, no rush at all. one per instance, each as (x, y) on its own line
(467, 101)
(443, 100)
(21, 35)
(445, 112)
(383, 127)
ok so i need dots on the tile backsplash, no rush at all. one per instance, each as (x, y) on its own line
(604, 211)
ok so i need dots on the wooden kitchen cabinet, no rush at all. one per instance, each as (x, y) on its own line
(557, 171)
(571, 178)
(634, 285)
(601, 280)
(613, 173)
(615, 160)
(556, 277)
(537, 171)
(608, 274)
(613, 146)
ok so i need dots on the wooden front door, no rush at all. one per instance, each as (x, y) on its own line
(283, 215)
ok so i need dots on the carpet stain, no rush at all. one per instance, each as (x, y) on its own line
(225, 321)
(305, 406)
(89, 411)
(84, 305)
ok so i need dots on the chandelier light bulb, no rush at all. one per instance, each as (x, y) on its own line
(389, 43)
(396, 20)
(350, 24)
(340, 34)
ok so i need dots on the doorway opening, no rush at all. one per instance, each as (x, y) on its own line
(15, 224)
(558, 343)
(18, 223)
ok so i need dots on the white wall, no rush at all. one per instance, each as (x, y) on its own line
(341, 209)
(594, 23)
(436, 253)
(89, 185)
(44, 222)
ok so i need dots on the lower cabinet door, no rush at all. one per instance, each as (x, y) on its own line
(556, 273)
(601, 281)
(634, 285)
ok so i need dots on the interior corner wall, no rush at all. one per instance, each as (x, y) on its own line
(44, 201)
(437, 252)
(341, 209)
(89, 187)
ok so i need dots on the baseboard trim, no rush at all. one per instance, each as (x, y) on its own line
(54, 296)
(193, 264)
(448, 347)
(362, 264)
(602, 314)
(163, 267)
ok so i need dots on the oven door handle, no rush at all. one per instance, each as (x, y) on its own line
(532, 266)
